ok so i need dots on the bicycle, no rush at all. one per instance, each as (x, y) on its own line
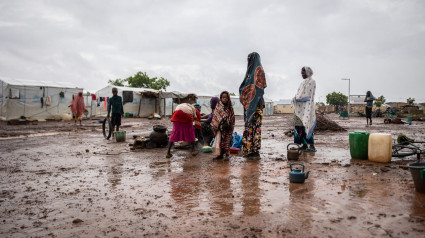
(407, 148)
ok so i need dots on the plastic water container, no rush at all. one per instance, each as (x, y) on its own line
(66, 117)
(359, 144)
(58, 117)
(380, 147)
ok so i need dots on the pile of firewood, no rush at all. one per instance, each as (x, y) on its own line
(325, 124)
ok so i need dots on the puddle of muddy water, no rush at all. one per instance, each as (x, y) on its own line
(45, 186)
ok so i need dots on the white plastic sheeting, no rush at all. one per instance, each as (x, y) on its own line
(142, 105)
(204, 101)
(23, 98)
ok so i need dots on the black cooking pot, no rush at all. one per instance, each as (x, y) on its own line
(159, 128)
(159, 135)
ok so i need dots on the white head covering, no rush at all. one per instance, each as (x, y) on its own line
(308, 71)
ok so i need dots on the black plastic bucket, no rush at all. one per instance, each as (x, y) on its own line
(418, 175)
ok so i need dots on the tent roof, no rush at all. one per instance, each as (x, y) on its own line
(37, 83)
(176, 94)
(133, 89)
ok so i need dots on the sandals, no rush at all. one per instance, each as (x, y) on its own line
(226, 158)
(304, 148)
(254, 155)
(310, 150)
(218, 157)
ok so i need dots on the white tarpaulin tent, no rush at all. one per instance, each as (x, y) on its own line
(144, 100)
(204, 101)
(20, 97)
(170, 100)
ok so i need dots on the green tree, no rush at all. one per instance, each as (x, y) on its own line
(380, 100)
(232, 94)
(160, 83)
(336, 99)
(142, 80)
(320, 103)
(117, 82)
(410, 101)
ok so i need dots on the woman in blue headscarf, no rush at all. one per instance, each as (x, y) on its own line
(251, 96)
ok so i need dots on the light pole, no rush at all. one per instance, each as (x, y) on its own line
(348, 108)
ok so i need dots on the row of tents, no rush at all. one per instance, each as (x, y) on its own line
(21, 99)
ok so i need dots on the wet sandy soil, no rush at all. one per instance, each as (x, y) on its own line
(62, 183)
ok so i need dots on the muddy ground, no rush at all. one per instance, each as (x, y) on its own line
(59, 180)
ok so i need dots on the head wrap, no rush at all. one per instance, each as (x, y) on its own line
(213, 102)
(252, 88)
(197, 106)
(308, 71)
(77, 105)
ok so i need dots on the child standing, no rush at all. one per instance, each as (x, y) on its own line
(224, 122)
(115, 103)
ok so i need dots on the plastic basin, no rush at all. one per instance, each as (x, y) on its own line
(418, 174)
(207, 149)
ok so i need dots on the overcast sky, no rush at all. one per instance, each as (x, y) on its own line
(202, 46)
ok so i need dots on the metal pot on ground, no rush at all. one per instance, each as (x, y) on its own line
(159, 137)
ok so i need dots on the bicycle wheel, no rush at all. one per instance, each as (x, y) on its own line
(404, 150)
(107, 128)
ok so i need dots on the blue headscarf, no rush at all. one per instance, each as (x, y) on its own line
(252, 88)
(197, 106)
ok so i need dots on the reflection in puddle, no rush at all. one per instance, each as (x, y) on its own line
(114, 176)
(185, 187)
(301, 207)
(250, 176)
(220, 189)
(215, 192)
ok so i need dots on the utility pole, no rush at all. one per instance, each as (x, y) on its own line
(349, 101)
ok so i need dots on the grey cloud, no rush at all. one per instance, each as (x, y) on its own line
(201, 46)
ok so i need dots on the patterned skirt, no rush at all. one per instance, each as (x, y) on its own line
(226, 141)
(251, 139)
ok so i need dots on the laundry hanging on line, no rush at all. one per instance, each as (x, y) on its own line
(105, 104)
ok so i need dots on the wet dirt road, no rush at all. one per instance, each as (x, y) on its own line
(67, 182)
